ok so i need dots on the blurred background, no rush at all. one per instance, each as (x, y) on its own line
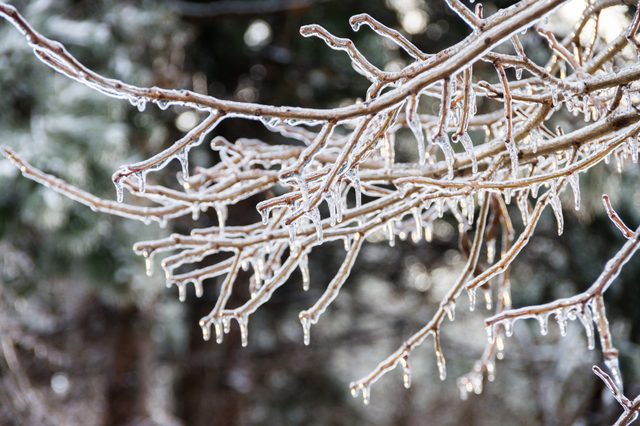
(87, 338)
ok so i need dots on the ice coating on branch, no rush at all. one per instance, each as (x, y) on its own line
(513, 156)
(322, 172)
(441, 362)
(613, 366)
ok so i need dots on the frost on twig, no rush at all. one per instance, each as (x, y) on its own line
(338, 178)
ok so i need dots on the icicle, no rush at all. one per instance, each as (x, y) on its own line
(491, 250)
(314, 216)
(293, 233)
(183, 158)
(304, 190)
(182, 292)
(488, 299)
(450, 310)
(428, 231)
(471, 292)
(148, 263)
(195, 211)
(206, 329)
(306, 329)
(587, 321)
(413, 121)
(331, 203)
(439, 207)
(391, 234)
(142, 178)
(221, 212)
(264, 215)
(491, 335)
(357, 188)
(469, 206)
(406, 371)
(141, 104)
(543, 319)
(366, 395)
(575, 187)
(442, 141)
(473, 106)
(467, 144)
(354, 390)
(476, 383)
(619, 159)
(163, 105)
(499, 347)
(119, 189)
(417, 234)
(217, 326)
(518, 73)
(507, 195)
(523, 206)
(534, 190)
(507, 324)
(562, 322)
(243, 322)
(304, 269)
(197, 285)
(557, 211)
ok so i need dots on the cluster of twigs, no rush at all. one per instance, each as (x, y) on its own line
(341, 181)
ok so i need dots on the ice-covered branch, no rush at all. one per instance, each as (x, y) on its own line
(337, 176)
